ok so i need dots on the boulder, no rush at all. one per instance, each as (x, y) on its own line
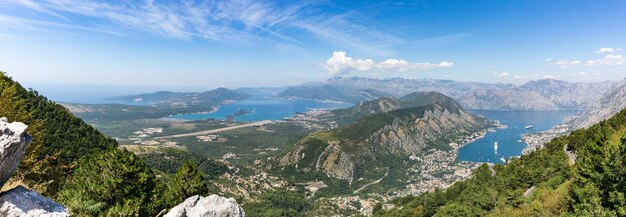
(211, 206)
(20, 202)
(13, 143)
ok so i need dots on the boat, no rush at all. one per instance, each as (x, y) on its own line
(503, 160)
(495, 147)
(529, 127)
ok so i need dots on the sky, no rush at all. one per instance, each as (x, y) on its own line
(70, 46)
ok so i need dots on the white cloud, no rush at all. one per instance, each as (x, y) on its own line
(607, 50)
(341, 63)
(519, 77)
(549, 59)
(239, 21)
(503, 74)
(610, 59)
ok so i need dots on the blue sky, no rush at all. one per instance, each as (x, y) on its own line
(197, 45)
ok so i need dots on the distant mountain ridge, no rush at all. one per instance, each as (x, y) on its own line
(607, 106)
(538, 95)
(329, 92)
(185, 99)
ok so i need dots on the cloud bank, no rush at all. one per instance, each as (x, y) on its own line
(610, 58)
(340, 63)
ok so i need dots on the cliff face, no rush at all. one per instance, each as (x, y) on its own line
(354, 151)
(19, 201)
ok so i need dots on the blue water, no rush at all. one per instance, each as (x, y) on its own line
(263, 108)
(509, 145)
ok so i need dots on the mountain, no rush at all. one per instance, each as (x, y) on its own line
(569, 96)
(610, 104)
(384, 132)
(580, 174)
(186, 99)
(326, 92)
(545, 94)
(400, 86)
(510, 99)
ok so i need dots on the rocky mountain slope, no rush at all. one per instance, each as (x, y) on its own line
(546, 94)
(607, 106)
(383, 132)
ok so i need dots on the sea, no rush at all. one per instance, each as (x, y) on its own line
(263, 107)
(509, 139)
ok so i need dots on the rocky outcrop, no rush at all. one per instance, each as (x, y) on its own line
(13, 144)
(211, 206)
(20, 201)
(24, 203)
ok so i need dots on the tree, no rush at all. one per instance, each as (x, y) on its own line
(187, 182)
(113, 183)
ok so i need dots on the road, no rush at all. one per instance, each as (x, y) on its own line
(570, 155)
(372, 183)
(202, 133)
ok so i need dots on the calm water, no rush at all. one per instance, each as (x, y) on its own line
(262, 108)
(509, 144)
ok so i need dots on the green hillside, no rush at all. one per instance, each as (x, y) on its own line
(60, 138)
(85, 170)
(543, 183)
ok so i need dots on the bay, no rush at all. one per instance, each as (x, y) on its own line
(509, 139)
(263, 107)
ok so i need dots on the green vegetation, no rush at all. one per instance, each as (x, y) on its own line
(278, 203)
(168, 160)
(187, 182)
(114, 183)
(593, 186)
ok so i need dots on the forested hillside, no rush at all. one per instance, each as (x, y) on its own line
(85, 170)
(60, 139)
(591, 181)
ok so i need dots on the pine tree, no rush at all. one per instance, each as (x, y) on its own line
(114, 183)
(187, 182)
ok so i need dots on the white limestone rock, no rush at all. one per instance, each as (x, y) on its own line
(20, 202)
(211, 206)
(13, 143)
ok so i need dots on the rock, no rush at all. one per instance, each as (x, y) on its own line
(24, 203)
(211, 206)
(13, 143)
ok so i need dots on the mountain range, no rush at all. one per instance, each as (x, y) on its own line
(539, 95)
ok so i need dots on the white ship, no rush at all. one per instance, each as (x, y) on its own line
(495, 147)
(529, 127)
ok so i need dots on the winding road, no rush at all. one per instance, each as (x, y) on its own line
(201, 133)
(371, 183)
